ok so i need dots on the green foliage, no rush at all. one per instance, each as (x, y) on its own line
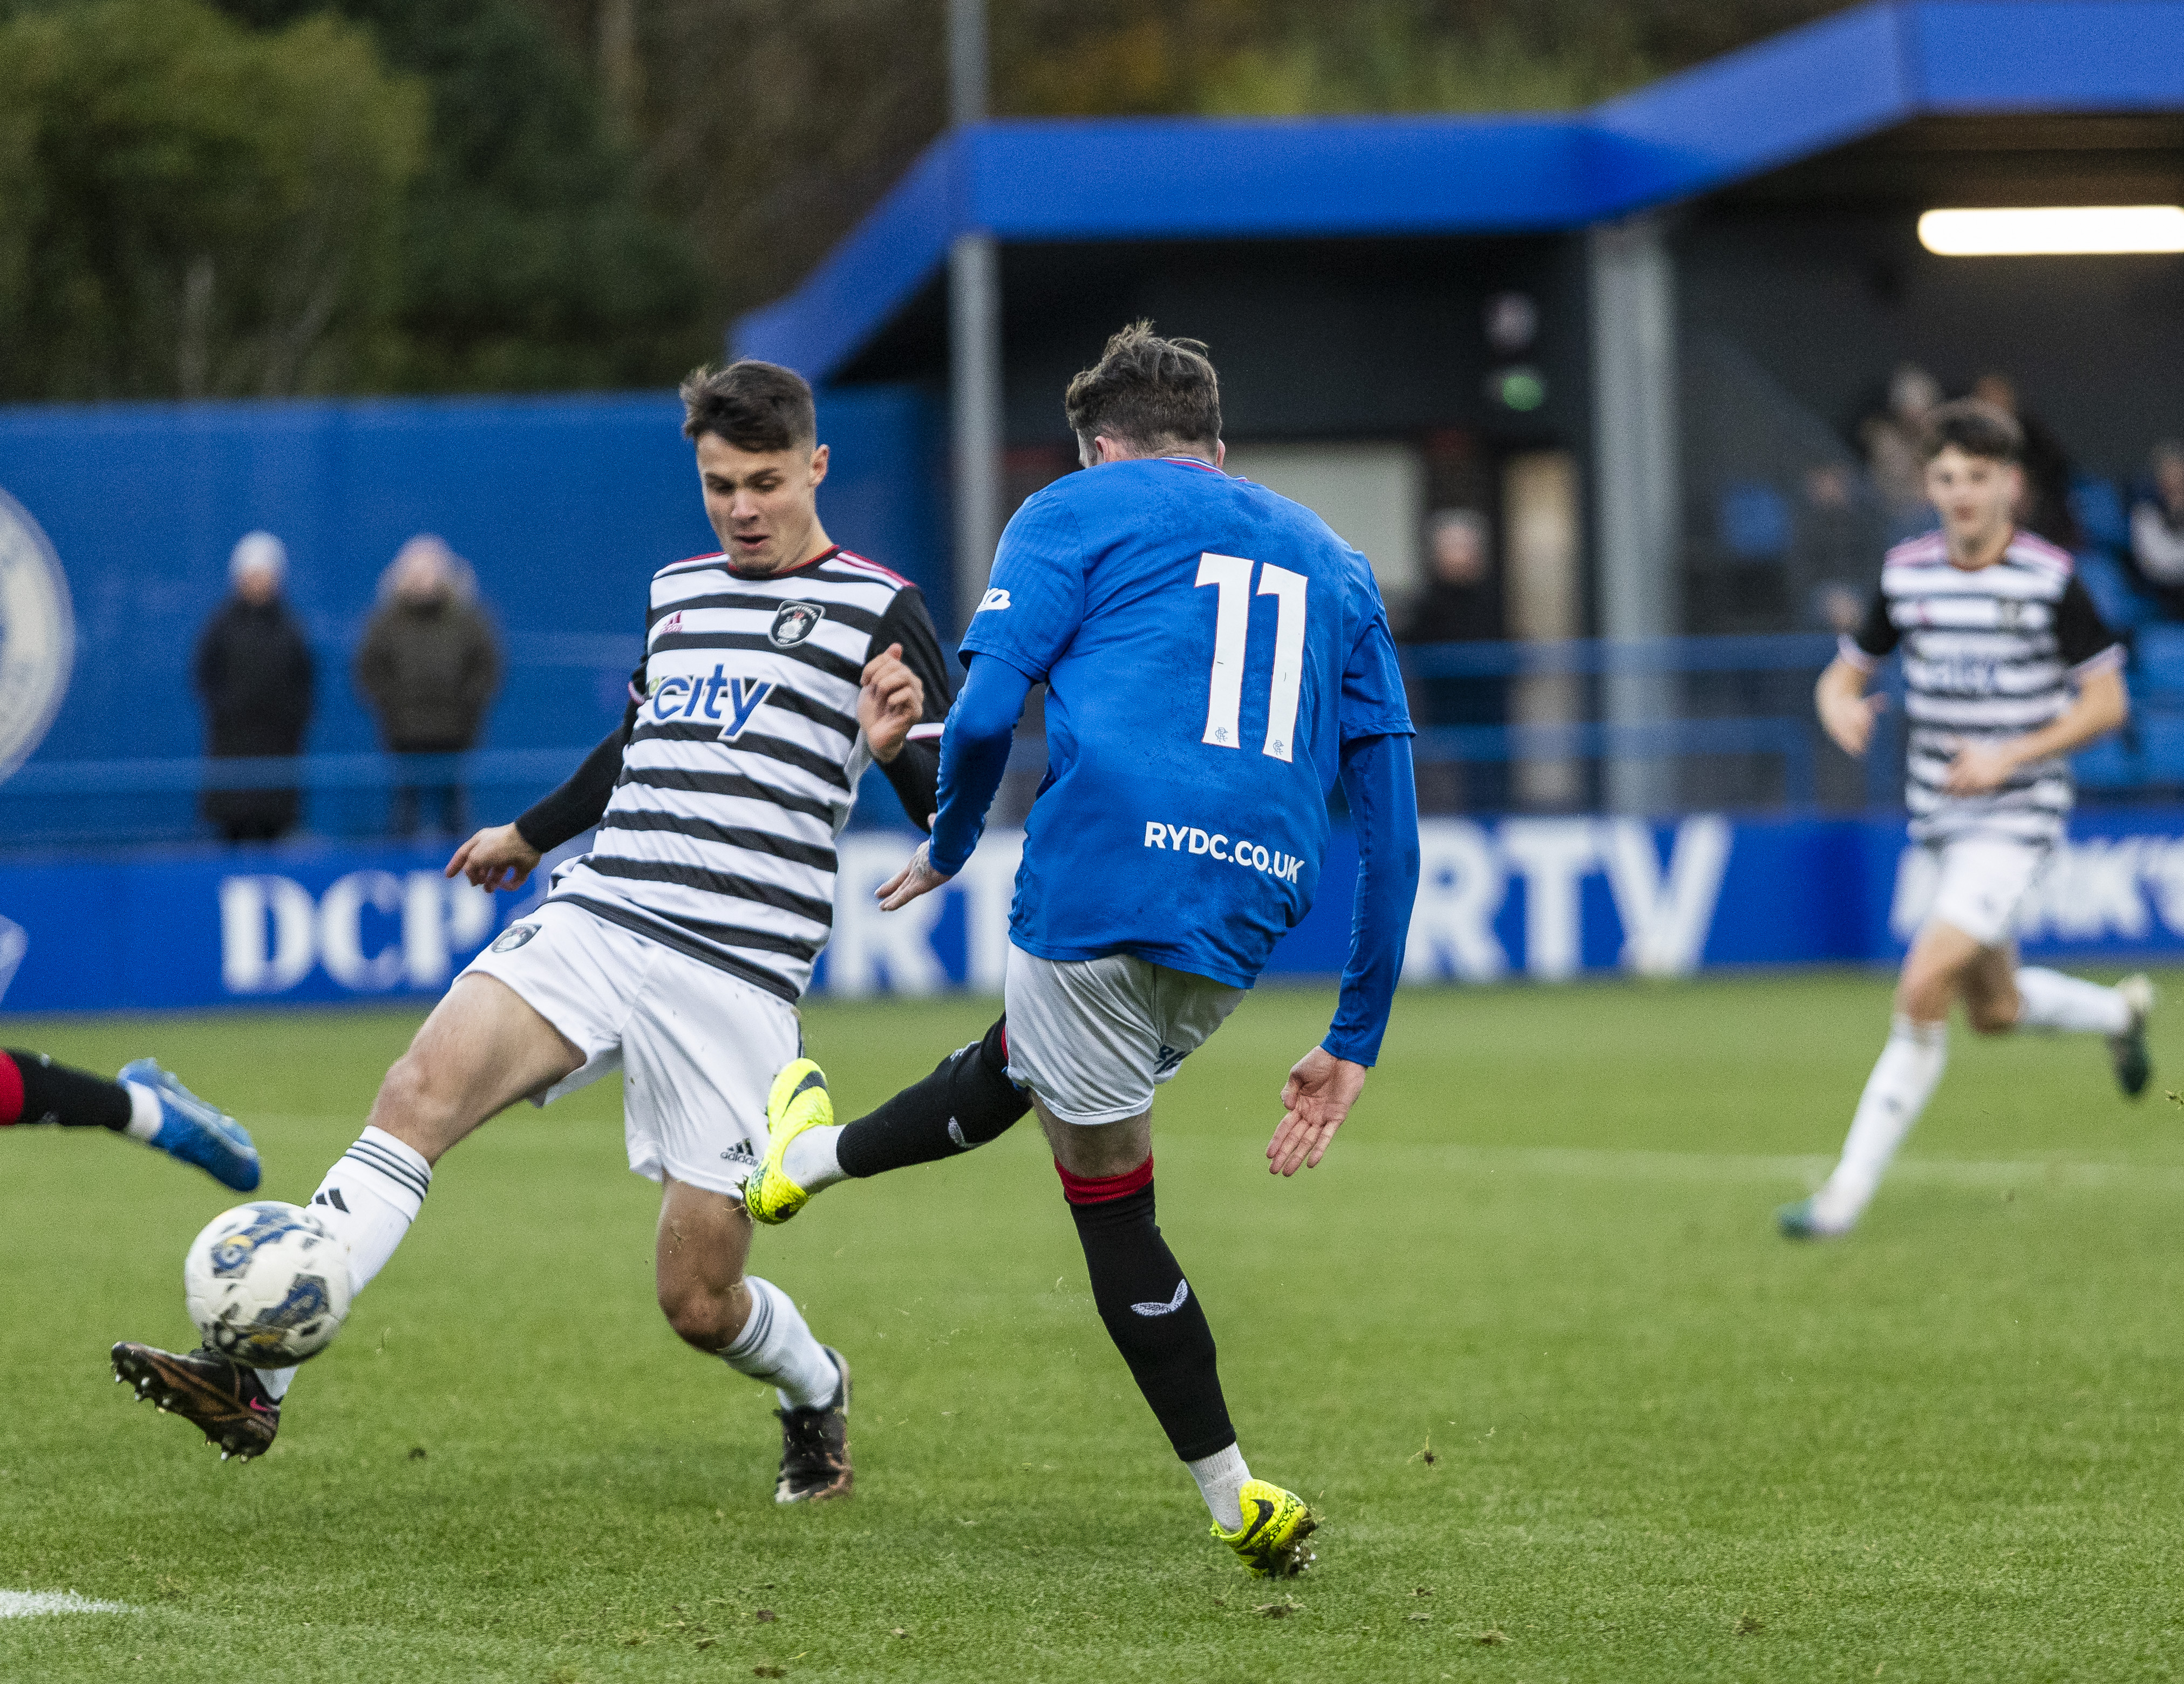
(1570, 1407)
(1391, 55)
(189, 207)
(291, 197)
(529, 258)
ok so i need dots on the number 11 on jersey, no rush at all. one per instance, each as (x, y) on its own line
(1231, 624)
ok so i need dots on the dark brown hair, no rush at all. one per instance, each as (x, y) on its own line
(1976, 428)
(753, 406)
(1150, 392)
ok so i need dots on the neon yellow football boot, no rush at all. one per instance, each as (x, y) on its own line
(1271, 1541)
(798, 1100)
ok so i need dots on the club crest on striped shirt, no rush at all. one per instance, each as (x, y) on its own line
(793, 621)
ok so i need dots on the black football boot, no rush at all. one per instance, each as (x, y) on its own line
(218, 1394)
(814, 1446)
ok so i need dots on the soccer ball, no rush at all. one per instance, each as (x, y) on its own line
(267, 1284)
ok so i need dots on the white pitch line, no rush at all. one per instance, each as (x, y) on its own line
(22, 1605)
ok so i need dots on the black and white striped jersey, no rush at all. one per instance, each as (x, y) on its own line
(1989, 653)
(742, 759)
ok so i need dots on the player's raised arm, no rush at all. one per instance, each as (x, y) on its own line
(902, 702)
(1382, 790)
(973, 754)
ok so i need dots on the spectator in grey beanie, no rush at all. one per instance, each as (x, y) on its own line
(254, 672)
(429, 666)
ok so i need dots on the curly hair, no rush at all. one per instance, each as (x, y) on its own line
(1153, 393)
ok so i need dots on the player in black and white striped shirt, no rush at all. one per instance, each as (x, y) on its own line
(776, 672)
(2007, 669)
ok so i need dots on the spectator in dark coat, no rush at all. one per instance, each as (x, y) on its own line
(429, 666)
(2157, 530)
(253, 671)
(2045, 508)
(1460, 603)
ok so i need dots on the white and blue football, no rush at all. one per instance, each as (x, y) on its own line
(267, 1284)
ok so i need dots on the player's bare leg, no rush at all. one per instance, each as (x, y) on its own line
(2000, 997)
(2003, 996)
(481, 1049)
(1158, 1324)
(751, 1324)
(1903, 1079)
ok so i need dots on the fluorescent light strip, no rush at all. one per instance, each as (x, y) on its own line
(2054, 230)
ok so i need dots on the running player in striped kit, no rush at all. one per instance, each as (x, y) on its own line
(2006, 668)
(776, 672)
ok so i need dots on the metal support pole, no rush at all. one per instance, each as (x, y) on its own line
(1638, 495)
(966, 63)
(974, 368)
(974, 337)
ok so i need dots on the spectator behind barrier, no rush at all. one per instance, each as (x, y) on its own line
(1894, 441)
(429, 666)
(1460, 603)
(253, 671)
(2157, 529)
(2045, 506)
(1835, 549)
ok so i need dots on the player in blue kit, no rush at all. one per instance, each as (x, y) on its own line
(1214, 658)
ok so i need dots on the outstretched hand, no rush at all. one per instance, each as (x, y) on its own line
(917, 877)
(1318, 1096)
(497, 857)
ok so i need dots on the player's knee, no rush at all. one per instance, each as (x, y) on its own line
(1992, 1017)
(414, 1096)
(1924, 996)
(708, 1317)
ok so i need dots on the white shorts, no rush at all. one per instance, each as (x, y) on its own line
(698, 1048)
(1093, 1037)
(1982, 883)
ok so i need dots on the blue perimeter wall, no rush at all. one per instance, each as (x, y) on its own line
(565, 506)
(1543, 898)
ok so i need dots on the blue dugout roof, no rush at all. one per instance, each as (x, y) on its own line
(1798, 94)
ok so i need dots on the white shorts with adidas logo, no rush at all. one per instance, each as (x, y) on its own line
(698, 1048)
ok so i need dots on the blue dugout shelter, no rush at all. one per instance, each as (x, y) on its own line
(1639, 337)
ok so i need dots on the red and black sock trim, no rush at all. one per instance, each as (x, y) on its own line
(33, 1089)
(1091, 1190)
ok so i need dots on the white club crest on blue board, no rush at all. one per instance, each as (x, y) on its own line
(37, 634)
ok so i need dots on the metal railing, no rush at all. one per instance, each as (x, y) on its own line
(124, 801)
(1790, 738)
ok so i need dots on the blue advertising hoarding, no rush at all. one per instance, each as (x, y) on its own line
(1545, 898)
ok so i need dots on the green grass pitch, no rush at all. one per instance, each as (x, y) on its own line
(1569, 1407)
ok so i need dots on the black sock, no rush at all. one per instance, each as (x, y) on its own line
(1151, 1313)
(967, 1101)
(42, 1091)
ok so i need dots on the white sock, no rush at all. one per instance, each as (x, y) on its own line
(810, 1160)
(1903, 1079)
(1221, 1479)
(777, 1347)
(2048, 999)
(144, 1111)
(368, 1198)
